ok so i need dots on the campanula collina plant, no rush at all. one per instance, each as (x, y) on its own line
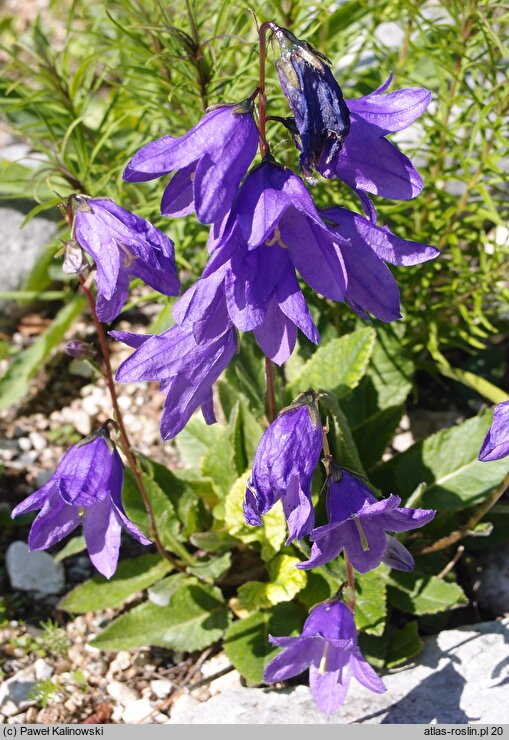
(280, 488)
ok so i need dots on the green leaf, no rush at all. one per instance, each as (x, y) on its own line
(414, 594)
(213, 541)
(271, 534)
(131, 576)
(342, 444)
(370, 600)
(75, 545)
(194, 441)
(403, 644)
(320, 586)
(374, 434)
(212, 569)
(162, 592)
(195, 618)
(15, 383)
(285, 582)
(337, 366)
(447, 463)
(246, 641)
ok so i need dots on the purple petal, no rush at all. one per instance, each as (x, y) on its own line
(292, 660)
(84, 474)
(293, 305)
(157, 159)
(333, 621)
(108, 309)
(390, 112)
(361, 559)
(329, 687)
(54, 522)
(277, 335)
(207, 409)
(365, 674)
(496, 442)
(299, 512)
(36, 500)
(130, 338)
(397, 556)
(115, 489)
(403, 519)
(353, 227)
(102, 530)
(178, 197)
(325, 549)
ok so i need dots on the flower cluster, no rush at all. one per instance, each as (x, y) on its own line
(268, 247)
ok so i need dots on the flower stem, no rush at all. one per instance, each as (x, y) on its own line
(262, 98)
(271, 395)
(472, 522)
(126, 445)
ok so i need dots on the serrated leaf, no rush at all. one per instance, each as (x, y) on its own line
(447, 463)
(195, 618)
(370, 600)
(338, 366)
(414, 594)
(213, 541)
(194, 441)
(285, 582)
(320, 586)
(16, 381)
(271, 534)
(246, 641)
(403, 644)
(161, 592)
(131, 576)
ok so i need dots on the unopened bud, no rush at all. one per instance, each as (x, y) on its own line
(79, 349)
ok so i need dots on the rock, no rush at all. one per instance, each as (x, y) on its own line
(122, 693)
(42, 670)
(121, 662)
(15, 692)
(28, 241)
(460, 677)
(161, 687)
(142, 712)
(492, 589)
(183, 707)
(33, 571)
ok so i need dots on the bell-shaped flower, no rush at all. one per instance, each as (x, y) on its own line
(358, 523)
(186, 360)
(210, 162)
(328, 647)
(322, 118)
(284, 462)
(367, 160)
(122, 245)
(496, 442)
(364, 249)
(86, 488)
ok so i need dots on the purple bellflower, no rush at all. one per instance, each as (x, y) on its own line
(284, 462)
(273, 230)
(122, 245)
(496, 442)
(364, 249)
(367, 160)
(358, 523)
(328, 647)
(211, 160)
(322, 119)
(86, 488)
(186, 360)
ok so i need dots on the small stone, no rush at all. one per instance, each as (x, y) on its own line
(120, 662)
(492, 589)
(122, 693)
(24, 444)
(42, 670)
(161, 687)
(181, 706)
(15, 692)
(70, 706)
(142, 712)
(38, 441)
(31, 715)
(33, 571)
(230, 680)
(116, 715)
(19, 719)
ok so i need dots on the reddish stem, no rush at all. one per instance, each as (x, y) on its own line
(126, 445)
(271, 395)
(351, 582)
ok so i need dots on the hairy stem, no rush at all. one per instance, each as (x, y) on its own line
(271, 395)
(474, 520)
(126, 445)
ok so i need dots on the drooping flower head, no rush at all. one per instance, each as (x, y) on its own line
(496, 442)
(321, 116)
(122, 245)
(273, 230)
(368, 161)
(284, 462)
(358, 523)
(210, 160)
(186, 360)
(86, 488)
(328, 647)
